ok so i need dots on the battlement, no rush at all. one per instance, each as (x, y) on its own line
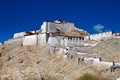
(100, 36)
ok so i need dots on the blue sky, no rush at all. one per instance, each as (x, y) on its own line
(91, 15)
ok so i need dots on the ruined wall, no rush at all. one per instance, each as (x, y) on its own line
(30, 40)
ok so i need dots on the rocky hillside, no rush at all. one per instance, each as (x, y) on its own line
(109, 50)
(19, 62)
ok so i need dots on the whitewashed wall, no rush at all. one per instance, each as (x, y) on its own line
(30, 40)
(99, 36)
(53, 41)
(109, 64)
(42, 39)
(74, 42)
(20, 34)
(98, 62)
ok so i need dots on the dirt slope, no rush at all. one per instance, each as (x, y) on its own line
(19, 62)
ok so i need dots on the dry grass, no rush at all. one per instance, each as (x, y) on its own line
(88, 76)
(75, 32)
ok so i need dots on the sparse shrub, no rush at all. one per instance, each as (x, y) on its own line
(88, 76)
(51, 78)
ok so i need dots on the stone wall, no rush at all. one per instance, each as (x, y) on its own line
(30, 40)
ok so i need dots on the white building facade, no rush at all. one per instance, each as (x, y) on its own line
(52, 34)
(71, 41)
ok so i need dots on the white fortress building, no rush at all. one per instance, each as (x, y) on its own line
(52, 30)
(55, 34)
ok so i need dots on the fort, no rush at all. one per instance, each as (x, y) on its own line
(58, 33)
